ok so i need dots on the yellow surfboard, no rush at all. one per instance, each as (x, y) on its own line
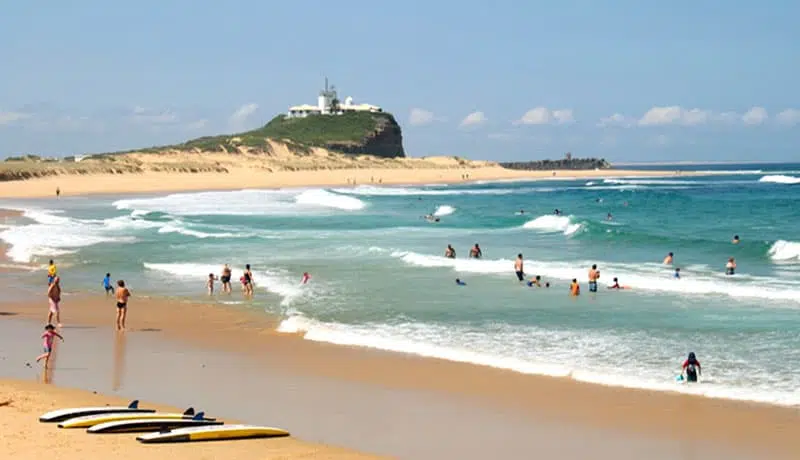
(92, 420)
(213, 433)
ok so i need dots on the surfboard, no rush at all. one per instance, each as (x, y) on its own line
(212, 433)
(91, 420)
(64, 414)
(150, 425)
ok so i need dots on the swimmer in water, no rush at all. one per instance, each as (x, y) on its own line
(557, 212)
(536, 281)
(475, 252)
(521, 211)
(616, 285)
(518, 268)
(735, 239)
(460, 283)
(677, 274)
(668, 259)
(730, 267)
(574, 288)
(609, 217)
(306, 277)
(450, 253)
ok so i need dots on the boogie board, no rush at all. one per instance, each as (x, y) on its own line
(91, 420)
(212, 433)
(150, 425)
(64, 414)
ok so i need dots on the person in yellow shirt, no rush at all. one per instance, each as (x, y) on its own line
(574, 288)
(51, 272)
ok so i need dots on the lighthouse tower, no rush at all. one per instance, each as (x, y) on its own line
(326, 97)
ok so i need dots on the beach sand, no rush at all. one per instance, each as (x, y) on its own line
(241, 178)
(665, 423)
(24, 437)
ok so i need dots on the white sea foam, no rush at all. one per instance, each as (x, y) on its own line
(785, 251)
(780, 179)
(369, 190)
(529, 350)
(245, 202)
(279, 282)
(553, 223)
(640, 277)
(648, 182)
(52, 235)
(444, 210)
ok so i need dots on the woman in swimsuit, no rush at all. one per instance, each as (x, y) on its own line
(247, 280)
(122, 304)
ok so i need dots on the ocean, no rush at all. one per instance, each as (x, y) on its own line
(379, 278)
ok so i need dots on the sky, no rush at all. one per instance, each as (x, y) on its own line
(501, 80)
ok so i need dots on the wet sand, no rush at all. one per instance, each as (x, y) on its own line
(356, 391)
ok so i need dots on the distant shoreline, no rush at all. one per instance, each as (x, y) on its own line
(241, 178)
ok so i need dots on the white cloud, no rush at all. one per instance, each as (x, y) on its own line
(674, 115)
(544, 116)
(755, 116)
(788, 117)
(11, 117)
(473, 119)
(419, 117)
(239, 118)
(155, 117)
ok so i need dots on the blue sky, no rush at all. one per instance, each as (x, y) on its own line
(626, 80)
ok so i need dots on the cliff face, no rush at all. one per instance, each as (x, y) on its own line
(573, 163)
(357, 133)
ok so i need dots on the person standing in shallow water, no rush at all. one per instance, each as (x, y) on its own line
(122, 304)
(247, 280)
(225, 278)
(54, 299)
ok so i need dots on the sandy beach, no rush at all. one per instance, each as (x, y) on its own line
(21, 403)
(663, 417)
(242, 178)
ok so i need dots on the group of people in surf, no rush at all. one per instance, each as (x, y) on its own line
(247, 280)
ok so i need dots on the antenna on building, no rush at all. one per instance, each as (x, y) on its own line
(326, 84)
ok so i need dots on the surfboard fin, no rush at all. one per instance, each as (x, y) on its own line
(199, 416)
(134, 404)
(189, 411)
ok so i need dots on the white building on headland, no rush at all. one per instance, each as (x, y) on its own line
(328, 104)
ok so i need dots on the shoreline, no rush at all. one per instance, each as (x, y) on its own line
(159, 182)
(246, 332)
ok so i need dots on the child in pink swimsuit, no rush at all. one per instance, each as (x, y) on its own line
(47, 343)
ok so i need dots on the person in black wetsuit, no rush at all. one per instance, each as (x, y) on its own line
(691, 368)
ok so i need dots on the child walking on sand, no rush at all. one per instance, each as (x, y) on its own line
(47, 343)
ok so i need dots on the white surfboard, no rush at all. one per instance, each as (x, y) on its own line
(92, 420)
(212, 433)
(64, 414)
(151, 425)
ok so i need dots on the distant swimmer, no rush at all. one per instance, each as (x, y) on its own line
(609, 216)
(668, 259)
(557, 212)
(519, 268)
(450, 253)
(574, 288)
(594, 275)
(616, 285)
(475, 252)
(730, 267)
(460, 283)
(547, 284)
(306, 277)
(735, 239)
(677, 274)
(536, 281)
(691, 368)
(522, 211)
(431, 218)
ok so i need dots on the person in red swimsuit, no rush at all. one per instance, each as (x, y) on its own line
(691, 368)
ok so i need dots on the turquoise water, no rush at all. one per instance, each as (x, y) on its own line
(379, 278)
